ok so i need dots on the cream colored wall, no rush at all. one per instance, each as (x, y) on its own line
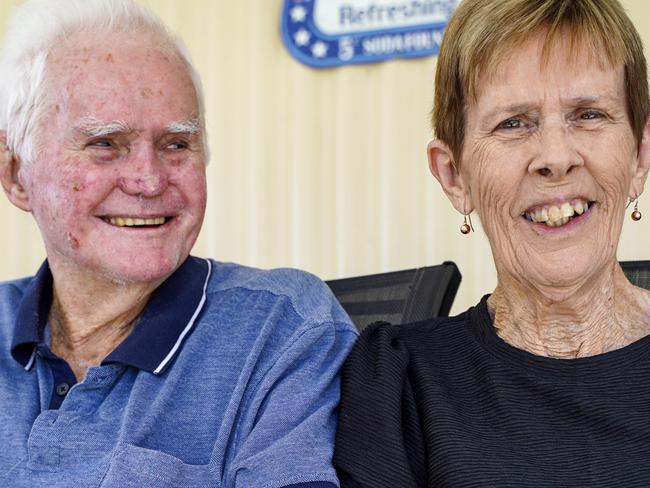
(323, 170)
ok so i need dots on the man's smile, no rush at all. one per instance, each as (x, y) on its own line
(125, 221)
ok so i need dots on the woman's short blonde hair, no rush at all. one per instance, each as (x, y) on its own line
(483, 32)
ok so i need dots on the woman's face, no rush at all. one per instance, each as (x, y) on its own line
(548, 162)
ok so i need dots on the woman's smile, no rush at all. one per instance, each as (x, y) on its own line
(557, 214)
(559, 220)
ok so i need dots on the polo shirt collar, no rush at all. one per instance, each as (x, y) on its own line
(159, 332)
(31, 316)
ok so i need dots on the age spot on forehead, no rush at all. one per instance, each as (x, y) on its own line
(109, 58)
(146, 92)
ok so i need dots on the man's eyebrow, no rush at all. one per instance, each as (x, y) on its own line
(93, 127)
(189, 126)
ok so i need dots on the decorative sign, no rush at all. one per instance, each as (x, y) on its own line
(325, 33)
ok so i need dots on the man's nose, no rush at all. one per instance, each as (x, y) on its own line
(557, 155)
(144, 173)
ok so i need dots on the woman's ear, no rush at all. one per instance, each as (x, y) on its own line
(643, 164)
(444, 168)
(10, 176)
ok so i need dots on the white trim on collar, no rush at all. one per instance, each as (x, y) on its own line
(189, 325)
(32, 358)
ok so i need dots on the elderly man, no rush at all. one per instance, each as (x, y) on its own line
(124, 362)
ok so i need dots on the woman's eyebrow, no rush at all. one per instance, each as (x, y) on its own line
(527, 107)
(591, 100)
(515, 108)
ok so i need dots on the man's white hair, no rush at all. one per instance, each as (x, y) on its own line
(36, 27)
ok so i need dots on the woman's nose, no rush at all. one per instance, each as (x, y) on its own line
(557, 154)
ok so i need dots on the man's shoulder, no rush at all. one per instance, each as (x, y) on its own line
(11, 296)
(12, 291)
(308, 295)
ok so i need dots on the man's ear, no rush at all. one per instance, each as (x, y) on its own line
(10, 177)
(443, 167)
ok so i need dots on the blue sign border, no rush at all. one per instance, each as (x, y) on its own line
(314, 48)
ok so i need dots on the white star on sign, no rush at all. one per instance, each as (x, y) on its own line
(319, 49)
(298, 13)
(302, 37)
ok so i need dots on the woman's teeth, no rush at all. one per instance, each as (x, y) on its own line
(554, 216)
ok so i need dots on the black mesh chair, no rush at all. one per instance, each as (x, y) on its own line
(398, 297)
(638, 272)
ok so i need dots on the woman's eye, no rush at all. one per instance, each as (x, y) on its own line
(591, 115)
(511, 124)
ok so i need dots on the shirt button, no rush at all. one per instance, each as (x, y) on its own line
(62, 389)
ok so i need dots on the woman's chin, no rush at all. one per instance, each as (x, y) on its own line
(560, 274)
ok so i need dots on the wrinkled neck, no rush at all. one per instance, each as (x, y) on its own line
(89, 317)
(604, 314)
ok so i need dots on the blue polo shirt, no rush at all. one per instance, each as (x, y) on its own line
(229, 379)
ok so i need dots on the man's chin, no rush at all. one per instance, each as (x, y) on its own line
(133, 269)
(145, 272)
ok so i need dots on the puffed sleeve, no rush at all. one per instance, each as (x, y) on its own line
(379, 442)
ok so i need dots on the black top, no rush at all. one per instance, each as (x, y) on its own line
(447, 403)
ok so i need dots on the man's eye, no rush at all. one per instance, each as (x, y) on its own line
(177, 145)
(101, 143)
(511, 124)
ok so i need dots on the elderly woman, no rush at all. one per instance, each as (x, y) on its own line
(541, 112)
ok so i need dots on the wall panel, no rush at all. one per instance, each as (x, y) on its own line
(320, 169)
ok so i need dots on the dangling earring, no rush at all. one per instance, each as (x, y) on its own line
(466, 227)
(636, 215)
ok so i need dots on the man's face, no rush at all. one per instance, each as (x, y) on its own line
(118, 189)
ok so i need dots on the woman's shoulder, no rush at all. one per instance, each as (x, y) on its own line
(413, 336)
(384, 352)
(378, 412)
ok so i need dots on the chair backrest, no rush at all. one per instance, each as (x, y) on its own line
(398, 297)
(638, 272)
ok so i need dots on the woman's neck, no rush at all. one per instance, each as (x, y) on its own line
(604, 314)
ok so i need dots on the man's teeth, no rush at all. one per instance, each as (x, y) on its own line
(134, 222)
(554, 216)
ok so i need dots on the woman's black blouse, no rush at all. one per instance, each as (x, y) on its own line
(447, 403)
